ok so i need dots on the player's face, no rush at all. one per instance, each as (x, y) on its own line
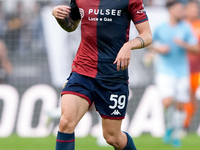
(192, 10)
(177, 11)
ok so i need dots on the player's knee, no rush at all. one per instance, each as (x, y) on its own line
(111, 140)
(67, 124)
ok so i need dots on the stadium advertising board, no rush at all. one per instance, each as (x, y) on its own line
(148, 117)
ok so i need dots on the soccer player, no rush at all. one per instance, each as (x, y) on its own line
(172, 41)
(100, 69)
(192, 16)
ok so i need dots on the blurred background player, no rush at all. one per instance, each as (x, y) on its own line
(5, 64)
(172, 41)
(192, 16)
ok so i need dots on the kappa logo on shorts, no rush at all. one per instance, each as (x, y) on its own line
(116, 112)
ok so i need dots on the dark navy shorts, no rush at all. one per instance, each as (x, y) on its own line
(110, 99)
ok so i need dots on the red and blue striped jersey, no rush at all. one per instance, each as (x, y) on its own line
(105, 28)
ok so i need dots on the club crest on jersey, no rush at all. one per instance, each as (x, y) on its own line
(81, 12)
(65, 84)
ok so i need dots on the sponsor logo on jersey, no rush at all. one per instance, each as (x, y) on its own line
(104, 14)
(112, 12)
(142, 10)
(116, 112)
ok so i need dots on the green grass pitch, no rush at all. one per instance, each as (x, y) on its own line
(144, 142)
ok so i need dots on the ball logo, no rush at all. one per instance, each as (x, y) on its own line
(81, 12)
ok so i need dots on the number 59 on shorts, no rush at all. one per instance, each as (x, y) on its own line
(119, 101)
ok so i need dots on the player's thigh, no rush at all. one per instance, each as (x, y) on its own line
(111, 127)
(73, 108)
(113, 134)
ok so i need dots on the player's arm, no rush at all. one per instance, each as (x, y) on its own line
(142, 40)
(191, 43)
(163, 49)
(61, 13)
(190, 48)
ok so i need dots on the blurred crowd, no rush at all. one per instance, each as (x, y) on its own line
(161, 2)
(20, 30)
(21, 25)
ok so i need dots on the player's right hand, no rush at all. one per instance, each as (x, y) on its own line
(164, 49)
(61, 11)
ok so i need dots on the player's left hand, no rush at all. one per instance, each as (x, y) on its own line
(179, 42)
(123, 57)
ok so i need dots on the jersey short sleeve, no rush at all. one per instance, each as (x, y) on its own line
(136, 11)
(75, 14)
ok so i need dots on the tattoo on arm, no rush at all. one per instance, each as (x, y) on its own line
(68, 24)
(141, 41)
